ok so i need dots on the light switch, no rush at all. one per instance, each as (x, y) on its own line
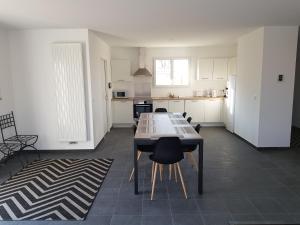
(280, 77)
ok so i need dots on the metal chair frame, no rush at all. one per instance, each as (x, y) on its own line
(16, 142)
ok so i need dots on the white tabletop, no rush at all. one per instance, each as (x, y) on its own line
(155, 125)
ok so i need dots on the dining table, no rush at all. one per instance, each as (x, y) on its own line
(152, 126)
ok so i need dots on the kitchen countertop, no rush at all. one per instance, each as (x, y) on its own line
(168, 98)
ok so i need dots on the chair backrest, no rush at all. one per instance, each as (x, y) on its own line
(189, 119)
(161, 110)
(7, 121)
(197, 128)
(168, 150)
(184, 114)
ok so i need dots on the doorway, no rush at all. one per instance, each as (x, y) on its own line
(295, 135)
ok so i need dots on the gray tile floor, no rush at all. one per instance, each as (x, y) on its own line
(240, 184)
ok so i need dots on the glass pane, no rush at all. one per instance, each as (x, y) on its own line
(180, 72)
(163, 72)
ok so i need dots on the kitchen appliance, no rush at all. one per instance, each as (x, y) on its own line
(120, 94)
(229, 103)
(214, 93)
(142, 70)
(141, 106)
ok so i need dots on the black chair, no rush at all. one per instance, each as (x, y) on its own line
(8, 126)
(141, 148)
(161, 110)
(189, 119)
(184, 114)
(190, 148)
(167, 151)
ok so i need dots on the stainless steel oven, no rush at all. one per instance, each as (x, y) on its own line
(141, 106)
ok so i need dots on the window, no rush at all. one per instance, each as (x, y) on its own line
(171, 72)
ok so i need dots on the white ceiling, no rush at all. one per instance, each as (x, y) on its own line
(153, 22)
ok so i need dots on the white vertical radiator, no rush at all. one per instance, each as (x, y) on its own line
(69, 87)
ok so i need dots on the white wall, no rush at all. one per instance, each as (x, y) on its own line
(99, 51)
(276, 106)
(296, 105)
(34, 92)
(248, 83)
(263, 110)
(6, 92)
(191, 52)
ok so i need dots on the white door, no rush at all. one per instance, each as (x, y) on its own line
(120, 70)
(107, 100)
(212, 111)
(99, 102)
(195, 109)
(220, 69)
(204, 69)
(122, 112)
(176, 106)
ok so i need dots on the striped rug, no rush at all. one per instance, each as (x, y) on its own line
(60, 189)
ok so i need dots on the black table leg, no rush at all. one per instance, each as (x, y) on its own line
(136, 182)
(200, 168)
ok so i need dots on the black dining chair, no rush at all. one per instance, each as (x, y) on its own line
(140, 149)
(161, 110)
(190, 148)
(189, 119)
(184, 114)
(167, 151)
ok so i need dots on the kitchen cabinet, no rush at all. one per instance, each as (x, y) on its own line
(176, 106)
(160, 104)
(220, 69)
(122, 112)
(212, 110)
(120, 70)
(232, 66)
(195, 109)
(204, 69)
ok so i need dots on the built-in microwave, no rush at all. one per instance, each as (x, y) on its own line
(120, 94)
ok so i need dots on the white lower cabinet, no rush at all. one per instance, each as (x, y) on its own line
(212, 110)
(122, 112)
(176, 106)
(195, 109)
(160, 104)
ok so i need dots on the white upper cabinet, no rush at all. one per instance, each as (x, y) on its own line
(120, 70)
(204, 69)
(195, 109)
(176, 106)
(220, 68)
(213, 108)
(232, 66)
(161, 104)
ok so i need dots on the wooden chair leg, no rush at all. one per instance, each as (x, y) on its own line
(175, 172)
(152, 172)
(181, 178)
(154, 178)
(160, 171)
(170, 172)
(132, 171)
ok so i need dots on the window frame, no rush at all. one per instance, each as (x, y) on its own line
(172, 68)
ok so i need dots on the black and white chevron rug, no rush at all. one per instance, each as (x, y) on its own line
(62, 189)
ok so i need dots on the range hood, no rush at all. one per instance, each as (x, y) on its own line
(142, 70)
